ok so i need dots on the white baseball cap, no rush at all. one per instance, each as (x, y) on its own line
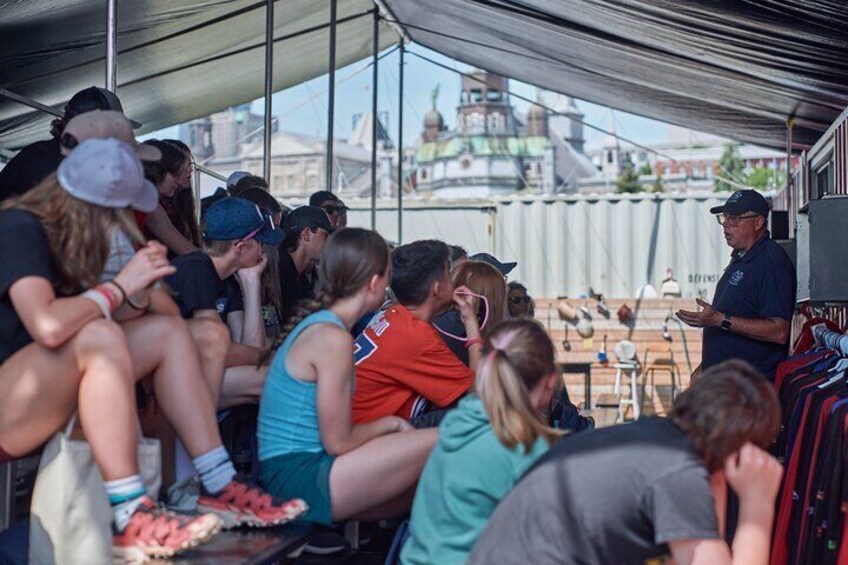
(108, 173)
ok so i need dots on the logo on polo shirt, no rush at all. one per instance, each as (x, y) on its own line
(736, 278)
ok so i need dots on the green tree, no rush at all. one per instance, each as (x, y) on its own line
(731, 169)
(628, 180)
(764, 178)
(646, 169)
(658, 184)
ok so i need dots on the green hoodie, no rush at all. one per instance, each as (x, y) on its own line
(466, 476)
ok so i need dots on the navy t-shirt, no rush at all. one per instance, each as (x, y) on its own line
(24, 252)
(197, 286)
(759, 284)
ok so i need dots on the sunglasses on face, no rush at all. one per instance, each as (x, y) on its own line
(334, 209)
(520, 300)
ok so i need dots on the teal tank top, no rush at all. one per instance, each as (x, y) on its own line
(288, 408)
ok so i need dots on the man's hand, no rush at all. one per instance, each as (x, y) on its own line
(709, 317)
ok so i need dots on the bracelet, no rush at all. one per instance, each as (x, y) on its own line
(121, 290)
(473, 341)
(127, 299)
(135, 306)
(100, 299)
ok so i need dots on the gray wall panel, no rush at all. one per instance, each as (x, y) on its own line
(564, 245)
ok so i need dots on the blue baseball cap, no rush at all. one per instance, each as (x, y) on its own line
(236, 218)
(743, 201)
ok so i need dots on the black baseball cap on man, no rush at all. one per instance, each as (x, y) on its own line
(94, 98)
(322, 196)
(311, 217)
(743, 201)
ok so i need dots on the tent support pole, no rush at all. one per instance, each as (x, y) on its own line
(374, 49)
(331, 104)
(269, 87)
(30, 102)
(112, 45)
(400, 145)
(789, 123)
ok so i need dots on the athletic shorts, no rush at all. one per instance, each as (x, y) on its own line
(301, 475)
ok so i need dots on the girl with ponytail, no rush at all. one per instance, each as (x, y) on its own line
(485, 444)
(307, 441)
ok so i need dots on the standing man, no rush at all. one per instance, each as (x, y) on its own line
(752, 309)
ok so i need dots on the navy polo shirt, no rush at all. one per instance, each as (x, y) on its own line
(759, 284)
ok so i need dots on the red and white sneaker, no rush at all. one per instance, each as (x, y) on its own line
(241, 503)
(154, 532)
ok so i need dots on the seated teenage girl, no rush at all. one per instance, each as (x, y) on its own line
(485, 444)
(307, 442)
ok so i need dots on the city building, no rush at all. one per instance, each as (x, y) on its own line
(686, 162)
(231, 141)
(495, 151)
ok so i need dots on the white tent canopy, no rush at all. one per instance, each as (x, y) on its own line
(177, 59)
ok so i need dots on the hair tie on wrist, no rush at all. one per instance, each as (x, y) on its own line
(128, 300)
(473, 341)
(121, 290)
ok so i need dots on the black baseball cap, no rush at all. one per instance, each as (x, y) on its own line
(311, 217)
(743, 201)
(322, 196)
(94, 98)
(504, 268)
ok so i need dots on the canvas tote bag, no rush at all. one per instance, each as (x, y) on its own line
(70, 517)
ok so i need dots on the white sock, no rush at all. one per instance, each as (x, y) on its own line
(124, 496)
(215, 468)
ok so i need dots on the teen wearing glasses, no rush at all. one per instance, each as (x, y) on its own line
(330, 203)
(519, 303)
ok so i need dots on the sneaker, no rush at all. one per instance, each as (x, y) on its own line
(182, 496)
(326, 542)
(241, 503)
(154, 532)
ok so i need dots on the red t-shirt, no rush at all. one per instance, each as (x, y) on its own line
(398, 359)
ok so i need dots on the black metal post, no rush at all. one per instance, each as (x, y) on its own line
(331, 118)
(269, 87)
(401, 179)
(375, 49)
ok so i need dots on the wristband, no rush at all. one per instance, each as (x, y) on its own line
(99, 298)
(473, 341)
(110, 298)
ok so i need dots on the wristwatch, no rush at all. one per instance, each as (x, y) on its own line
(725, 323)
